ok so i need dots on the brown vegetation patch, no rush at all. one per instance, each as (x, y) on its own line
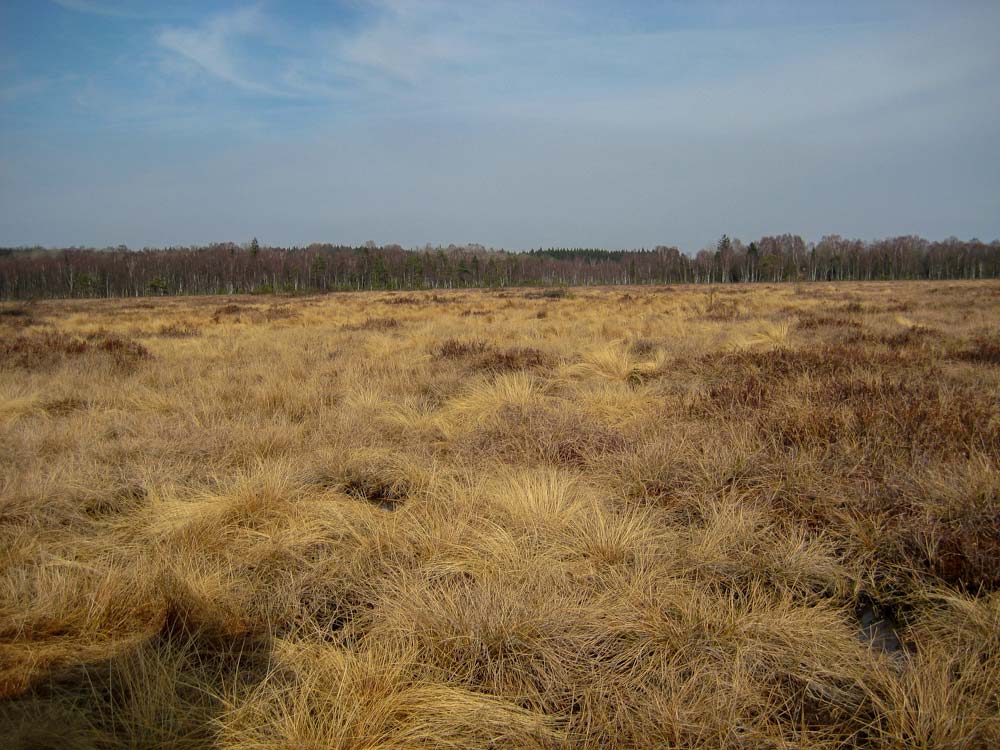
(812, 321)
(547, 294)
(17, 317)
(720, 309)
(965, 543)
(8, 313)
(183, 329)
(229, 311)
(545, 436)
(481, 355)
(280, 312)
(891, 415)
(458, 349)
(374, 324)
(642, 348)
(985, 349)
(43, 350)
(64, 406)
(913, 336)
(371, 489)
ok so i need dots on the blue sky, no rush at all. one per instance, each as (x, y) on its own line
(512, 124)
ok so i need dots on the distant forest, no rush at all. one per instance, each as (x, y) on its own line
(229, 268)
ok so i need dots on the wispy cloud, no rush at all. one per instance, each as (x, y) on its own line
(210, 47)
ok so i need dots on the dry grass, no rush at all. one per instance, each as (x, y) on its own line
(633, 518)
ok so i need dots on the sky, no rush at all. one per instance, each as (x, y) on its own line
(510, 124)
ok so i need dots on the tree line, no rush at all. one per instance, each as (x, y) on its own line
(230, 268)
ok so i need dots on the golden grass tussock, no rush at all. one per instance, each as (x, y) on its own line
(605, 518)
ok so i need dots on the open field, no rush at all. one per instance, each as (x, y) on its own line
(601, 518)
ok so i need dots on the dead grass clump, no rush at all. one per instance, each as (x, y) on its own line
(321, 696)
(163, 692)
(369, 485)
(944, 524)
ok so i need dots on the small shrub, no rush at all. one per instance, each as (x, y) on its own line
(179, 330)
(456, 349)
(913, 336)
(374, 324)
(44, 350)
(547, 294)
(722, 309)
(524, 434)
(985, 349)
(402, 300)
(514, 358)
(280, 312)
(642, 348)
(123, 351)
(230, 310)
(811, 321)
(481, 355)
(17, 317)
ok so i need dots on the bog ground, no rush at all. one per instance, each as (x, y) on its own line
(602, 518)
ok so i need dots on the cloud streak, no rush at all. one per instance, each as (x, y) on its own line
(210, 48)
